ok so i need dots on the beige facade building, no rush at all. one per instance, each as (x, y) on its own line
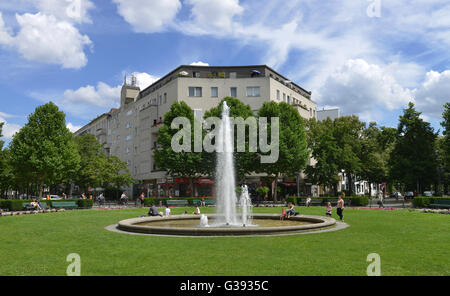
(130, 132)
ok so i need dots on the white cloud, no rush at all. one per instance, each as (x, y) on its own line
(148, 16)
(144, 79)
(9, 129)
(199, 63)
(102, 95)
(434, 92)
(46, 39)
(212, 16)
(363, 89)
(73, 128)
(76, 11)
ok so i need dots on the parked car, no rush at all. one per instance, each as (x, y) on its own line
(409, 195)
(396, 195)
(53, 197)
(428, 193)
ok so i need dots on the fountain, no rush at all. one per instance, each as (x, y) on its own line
(225, 179)
(228, 220)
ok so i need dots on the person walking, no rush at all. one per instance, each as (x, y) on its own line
(142, 198)
(340, 208)
(308, 201)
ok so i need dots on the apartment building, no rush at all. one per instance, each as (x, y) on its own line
(130, 132)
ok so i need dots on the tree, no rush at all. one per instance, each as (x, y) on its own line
(444, 148)
(5, 168)
(293, 150)
(348, 132)
(325, 152)
(178, 164)
(375, 149)
(413, 159)
(96, 169)
(44, 149)
(92, 162)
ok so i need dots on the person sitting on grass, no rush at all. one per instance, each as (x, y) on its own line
(35, 204)
(329, 209)
(197, 211)
(154, 211)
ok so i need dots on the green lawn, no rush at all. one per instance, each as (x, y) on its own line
(409, 243)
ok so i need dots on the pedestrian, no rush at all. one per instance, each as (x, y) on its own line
(308, 201)
(142, 198)
(340, 208)
(123, 198)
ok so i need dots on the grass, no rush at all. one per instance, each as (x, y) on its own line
(409, 243)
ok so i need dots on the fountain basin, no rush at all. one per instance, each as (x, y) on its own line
(189, 225)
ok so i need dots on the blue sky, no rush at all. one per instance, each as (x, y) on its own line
(367, 57)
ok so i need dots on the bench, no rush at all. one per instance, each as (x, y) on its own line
(64, 205)
(177, 203)
(316, 201)
(210, 202)
(333, 201)
(440, 203)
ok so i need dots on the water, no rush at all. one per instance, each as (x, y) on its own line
(226, 199)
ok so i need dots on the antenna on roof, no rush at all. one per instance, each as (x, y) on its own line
(125, 80)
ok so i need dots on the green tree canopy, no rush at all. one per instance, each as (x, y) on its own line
(413, 159)
(44, 149)
(293, 150)
(177, 164)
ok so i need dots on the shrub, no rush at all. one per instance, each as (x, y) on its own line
(425, 201)
(155, 200)
(293, 199)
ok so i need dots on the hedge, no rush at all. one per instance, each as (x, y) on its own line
(148, 201)
(356, 200)
(17, 204)
(425, 201)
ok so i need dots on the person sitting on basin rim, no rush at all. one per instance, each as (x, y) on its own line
(291, 210)
(154, 211)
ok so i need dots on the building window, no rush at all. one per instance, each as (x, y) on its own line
(196, 74)
(278, 94)
(310, 112)
(214, 92)
(127, 150)
(233, 92)
(129, 125)
(129, 138)
(253, 91)
(284, 97)
(233, 75)
(195, 91)
(129, 112)
(165, 98)
(288, 99)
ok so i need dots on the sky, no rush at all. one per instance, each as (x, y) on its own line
(367, 57)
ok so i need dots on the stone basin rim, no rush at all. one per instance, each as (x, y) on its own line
(130, 225)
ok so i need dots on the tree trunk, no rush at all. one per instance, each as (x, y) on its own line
(350, 183)
(275, 188)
